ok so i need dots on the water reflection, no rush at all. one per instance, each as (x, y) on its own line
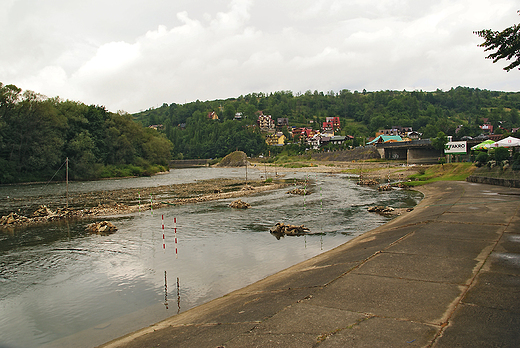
(103, 287)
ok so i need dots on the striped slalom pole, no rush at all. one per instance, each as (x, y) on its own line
(151, 204)
(175, 234)
(163, 241)
(139, 200)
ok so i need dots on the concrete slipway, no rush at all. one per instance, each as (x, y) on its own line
(444, 275)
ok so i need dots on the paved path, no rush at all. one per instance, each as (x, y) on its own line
(444, 275)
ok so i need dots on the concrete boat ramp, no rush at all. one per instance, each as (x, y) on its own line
(444, 275)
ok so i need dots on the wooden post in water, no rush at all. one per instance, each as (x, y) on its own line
(67, 179)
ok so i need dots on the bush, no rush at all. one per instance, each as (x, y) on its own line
(501, 154)
(481, 159)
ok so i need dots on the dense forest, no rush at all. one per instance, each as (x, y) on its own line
(361, 114)
(37, 134)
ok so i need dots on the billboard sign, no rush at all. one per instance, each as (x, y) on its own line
(456, 147)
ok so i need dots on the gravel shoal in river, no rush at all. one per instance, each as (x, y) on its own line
(126, 201)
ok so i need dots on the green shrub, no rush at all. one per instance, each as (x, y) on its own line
(481, 159)
(501, 154)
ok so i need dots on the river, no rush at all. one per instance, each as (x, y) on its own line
(63, 287)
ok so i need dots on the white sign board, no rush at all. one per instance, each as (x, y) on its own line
(456, 147)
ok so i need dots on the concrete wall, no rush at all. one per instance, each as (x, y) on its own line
(494, 181)
(423, 156)
(395, 153)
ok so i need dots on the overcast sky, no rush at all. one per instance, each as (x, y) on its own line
(135, 54)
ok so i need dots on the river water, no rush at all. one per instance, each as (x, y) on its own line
(63, 287)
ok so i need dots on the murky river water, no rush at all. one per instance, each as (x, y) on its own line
(62, 287)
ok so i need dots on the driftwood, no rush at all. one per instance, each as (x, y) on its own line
(280, 229)
(238, 204)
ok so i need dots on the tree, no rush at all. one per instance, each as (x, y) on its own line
(505, 42)
(439, 143)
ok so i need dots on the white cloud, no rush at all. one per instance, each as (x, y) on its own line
(166, 52)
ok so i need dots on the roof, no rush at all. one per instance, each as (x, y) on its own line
(385, 138)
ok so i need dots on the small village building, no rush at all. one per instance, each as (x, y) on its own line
(213, 115)
(337, 140)
(385, 139)
(395, 130)
(282, 121)
(487, 128)
(275, 139)
(414, 135)
(265, 122)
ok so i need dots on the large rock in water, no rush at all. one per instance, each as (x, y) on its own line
(234, 159)
(280, 229)
(43, 211)
(238, 204)
(102, 227)
(13, 219)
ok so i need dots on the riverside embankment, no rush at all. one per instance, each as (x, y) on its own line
(444, 275)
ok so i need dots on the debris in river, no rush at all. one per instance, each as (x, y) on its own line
(299, 191)
(385, 188)
(367, 182)
(102, 228)
(380, 209)
(238, 204)
(280, 229)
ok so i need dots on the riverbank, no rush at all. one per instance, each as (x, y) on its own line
(442, 275)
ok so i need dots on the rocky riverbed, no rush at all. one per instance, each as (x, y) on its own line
(127, 201)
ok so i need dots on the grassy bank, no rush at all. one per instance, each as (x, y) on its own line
(442, 172)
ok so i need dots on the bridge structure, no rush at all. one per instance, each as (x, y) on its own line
(416, 151)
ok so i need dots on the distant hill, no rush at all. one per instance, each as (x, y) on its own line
(458, 112)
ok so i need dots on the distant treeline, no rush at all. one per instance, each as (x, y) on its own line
(361, 114)
(37, 134)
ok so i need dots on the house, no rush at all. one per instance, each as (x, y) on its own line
(486, 127)
(395, 130)
(156, 126)
(265, 122)
(335, 122)
(276, 139)
(282, 121)
(385, 139)
(414, 135)
(314, 142)
(307, 132)
(337, 140)
(213, 115)
(238, 116)
(328, 126)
